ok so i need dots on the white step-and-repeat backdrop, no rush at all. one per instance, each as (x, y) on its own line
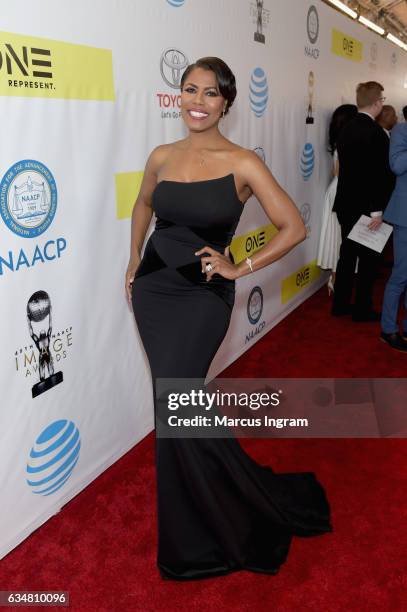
(87, 89)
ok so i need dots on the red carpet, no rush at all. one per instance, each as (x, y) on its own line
(101, 546)
(310, 343)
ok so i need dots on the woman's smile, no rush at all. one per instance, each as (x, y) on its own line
(198, 114)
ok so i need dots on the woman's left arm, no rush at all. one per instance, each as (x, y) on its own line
(281, 211)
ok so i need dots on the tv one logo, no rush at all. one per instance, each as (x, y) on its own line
(255, 241)
(25, 61)
(303, 277)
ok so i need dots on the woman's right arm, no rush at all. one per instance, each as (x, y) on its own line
(142, 213)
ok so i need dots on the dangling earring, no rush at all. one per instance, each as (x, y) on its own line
(223, 112)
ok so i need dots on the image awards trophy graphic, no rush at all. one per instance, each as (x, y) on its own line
(40, 327)
(310, 119)
(259, 36)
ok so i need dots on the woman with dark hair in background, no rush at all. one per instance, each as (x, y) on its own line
(330, 236)
(218, 510)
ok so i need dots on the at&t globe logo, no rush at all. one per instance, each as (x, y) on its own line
(176, 3)
(258, 91)
(28, 198)
(53, 457)
(307, 161)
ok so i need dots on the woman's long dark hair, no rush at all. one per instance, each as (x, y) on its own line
(340, 117)
(224, 76)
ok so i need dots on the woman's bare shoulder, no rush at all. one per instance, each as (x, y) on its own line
(160, 154)
(241, 154)
(161, 150)
(245, 159)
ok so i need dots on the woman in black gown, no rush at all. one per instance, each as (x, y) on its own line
(218, 510)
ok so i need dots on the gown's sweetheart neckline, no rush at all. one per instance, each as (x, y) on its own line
(219, 178)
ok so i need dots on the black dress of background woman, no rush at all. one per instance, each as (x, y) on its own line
(218, 510)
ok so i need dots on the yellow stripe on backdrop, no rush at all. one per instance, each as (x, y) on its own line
(247, 244)
(42, 68)
(346, 46)
(127, 189)
(296, 282)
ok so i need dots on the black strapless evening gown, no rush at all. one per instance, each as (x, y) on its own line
(218, 510)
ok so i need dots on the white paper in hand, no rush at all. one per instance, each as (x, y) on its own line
(373, 239)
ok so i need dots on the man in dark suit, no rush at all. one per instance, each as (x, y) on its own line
(365, 184)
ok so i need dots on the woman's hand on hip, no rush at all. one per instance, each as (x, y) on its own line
(130, 273)
(221, 264)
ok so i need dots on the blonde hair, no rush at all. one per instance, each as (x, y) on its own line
(368, 93)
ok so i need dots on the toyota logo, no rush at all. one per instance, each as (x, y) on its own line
(172, 64)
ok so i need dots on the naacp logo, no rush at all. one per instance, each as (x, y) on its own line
(258, 91)
(254, 311)
(255, 305)
(373, 56)
(28, 198)
(312, 33)
(53, 457)
(305, 212)
(307, 161)
(172, 64)
(312, 24)
(260, 153)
